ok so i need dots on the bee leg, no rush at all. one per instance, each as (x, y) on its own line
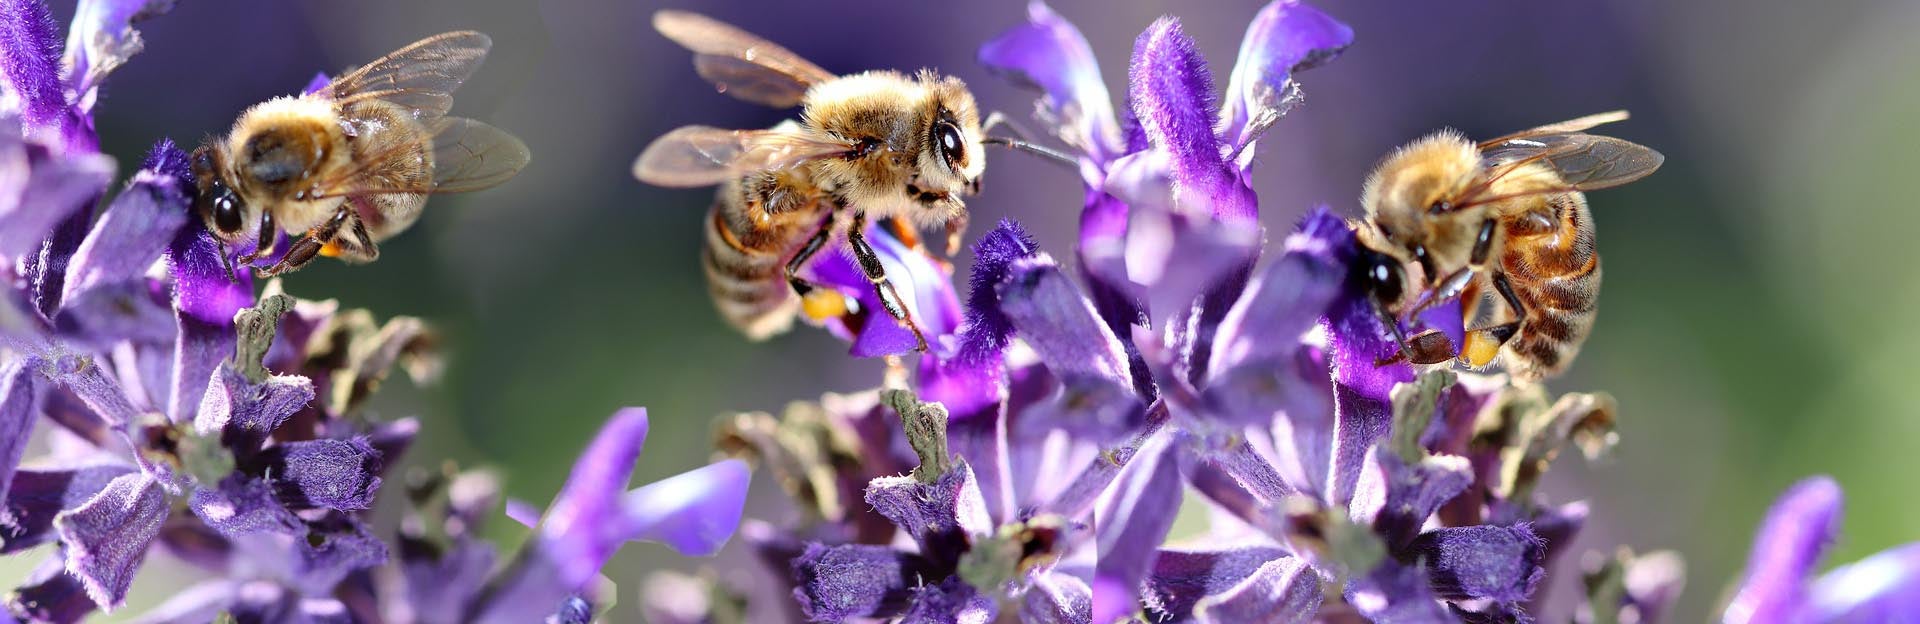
(818, 304)
(309, 245)
(263, 244)
(877, 273)
(956, 228)
(1485, 342)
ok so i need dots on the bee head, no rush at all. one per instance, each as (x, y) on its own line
(1381, 274)
(951, 158)
(214, 200)
(1411, 200)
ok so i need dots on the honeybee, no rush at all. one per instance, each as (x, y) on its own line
(1506, 216)
(873, 146)
(351, 164)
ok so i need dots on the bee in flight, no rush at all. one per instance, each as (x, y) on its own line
(351, 164)
(868, 147)
(1505, 216)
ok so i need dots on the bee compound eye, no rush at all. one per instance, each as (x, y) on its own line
(951, 149)
(221, 204)
(1381, 276)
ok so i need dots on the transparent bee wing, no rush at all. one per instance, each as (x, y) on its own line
(421, 77)
(694, 156)
(468, 155)
(740, 63)
(1584, 162)
(1565, 127)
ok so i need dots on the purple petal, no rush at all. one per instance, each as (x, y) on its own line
(201, 287)
(971, 382)
(1173, 95)
(1057, 599)
(1049, 54)
(1078, 348)
(245, 413)
(324, 474)
(336, 546)
(1798, 529)
(30, 59)
(1176, 257)
(942, 516)
(694, 512)
(135, 310)
(1181, 578)
(1130, 521)
(952, 601)
(854, 580)
(130, 235)
(1397, 593)
(1287, 36)
(445, 581)
(1360, 422)
(199, 603)
(241, 505)
(1282, 591)
(36, 497)
(579, 529)
(107, 537)
(102, 37)
(1882, 588)
(1283, 302)
(1496, 563)
(198, 351)
(920, 280)
(50, 594)
(39, 190)
(1409, 494)
(100, 391)
(19, 395)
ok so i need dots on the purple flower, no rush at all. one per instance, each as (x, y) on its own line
(1780, 585)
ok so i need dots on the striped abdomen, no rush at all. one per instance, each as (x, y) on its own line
(1554, 269)
(745, 258)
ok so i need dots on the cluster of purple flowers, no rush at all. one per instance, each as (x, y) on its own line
(1063, 419)
(164, 405)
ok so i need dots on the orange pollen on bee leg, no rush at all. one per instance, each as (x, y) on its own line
(823, 303)
(1480, 350)
(330, 250)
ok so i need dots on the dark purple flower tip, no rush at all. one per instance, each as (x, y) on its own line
(167, 160)
(30, 59)
(136, 228)
(102, 38)
(201, 288)
(240, 505)
(943, 516)
(324, 474)
(952, 601)
(43, 190)
(335, 546)
(319, 81)
(49, 594)
(1287, 36)
(572, 610)
(1181, 578)
(244, 413)
(1172, 93)
(1797, 531)
(1056, 598)
(1496, 563)
(1132, 518)
(106, 538)
(835, 583)
(36, 497)
(19, 398)
(987, 331)
(1049, 54)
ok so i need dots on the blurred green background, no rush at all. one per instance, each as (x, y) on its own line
(1757, 288)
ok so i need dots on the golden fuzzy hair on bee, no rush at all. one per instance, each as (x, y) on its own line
(1436, 166)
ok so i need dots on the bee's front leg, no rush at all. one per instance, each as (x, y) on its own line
(877, 273)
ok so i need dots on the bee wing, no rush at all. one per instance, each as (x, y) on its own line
(704, 156)
(740, 63)
(1584, 161)
(468, 155)
(421, 76)
(1572, 125)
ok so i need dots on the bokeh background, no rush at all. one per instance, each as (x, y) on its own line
(1755, 322)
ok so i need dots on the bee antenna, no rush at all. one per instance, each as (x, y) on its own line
(1034, 149)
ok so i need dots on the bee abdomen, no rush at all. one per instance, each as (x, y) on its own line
(1560, 313)
(746, 283)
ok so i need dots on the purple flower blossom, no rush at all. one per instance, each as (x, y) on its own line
(1780, 585)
